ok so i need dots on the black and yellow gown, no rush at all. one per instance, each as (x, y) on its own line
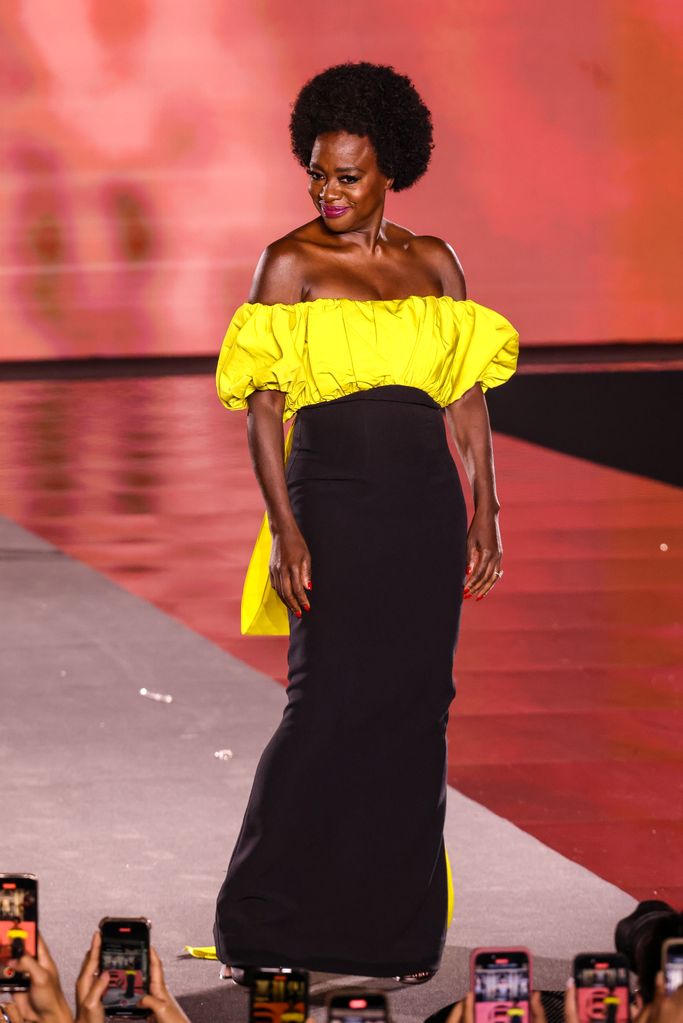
(340, 863)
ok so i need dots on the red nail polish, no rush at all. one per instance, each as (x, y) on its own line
(466, 596)
(468, 570)
(480, 598)
(307, 607)
(298, 614)
(310, 585)
(466, 590)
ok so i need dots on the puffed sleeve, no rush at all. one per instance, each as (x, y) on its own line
(261, 351)
(485, 349)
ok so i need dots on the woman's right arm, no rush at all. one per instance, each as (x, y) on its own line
(290, 560)
(277, 279)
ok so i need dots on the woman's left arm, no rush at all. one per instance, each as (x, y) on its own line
(468, 420)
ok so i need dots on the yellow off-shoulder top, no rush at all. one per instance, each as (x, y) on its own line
(328, 347)
(319, 350)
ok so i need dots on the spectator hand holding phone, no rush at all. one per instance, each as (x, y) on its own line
(92, 984)
(44, 1002)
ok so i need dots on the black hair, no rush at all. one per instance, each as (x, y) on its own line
(649, 952)
(371, 100)
(640, 937)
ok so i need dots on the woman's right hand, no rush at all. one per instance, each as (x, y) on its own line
(290, 569)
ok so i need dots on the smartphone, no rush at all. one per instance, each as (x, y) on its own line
(357, 1007)
(672, 964)
(501, 981)
(278, 996)
(125, 954)
(18, 927)
(602, 989)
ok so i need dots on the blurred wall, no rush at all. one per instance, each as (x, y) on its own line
(144, 160)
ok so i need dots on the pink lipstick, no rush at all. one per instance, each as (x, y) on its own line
(333, 211)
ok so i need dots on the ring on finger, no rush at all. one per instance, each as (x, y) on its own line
(499, 575)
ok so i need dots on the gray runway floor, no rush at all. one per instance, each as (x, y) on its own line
(119, 805)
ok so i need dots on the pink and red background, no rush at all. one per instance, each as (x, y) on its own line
(144, 161)
(144, 164)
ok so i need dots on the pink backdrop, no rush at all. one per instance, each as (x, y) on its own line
(144, 160)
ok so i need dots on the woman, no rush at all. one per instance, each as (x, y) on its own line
(362, 329)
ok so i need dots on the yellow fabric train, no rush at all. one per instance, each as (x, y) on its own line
(320, 350)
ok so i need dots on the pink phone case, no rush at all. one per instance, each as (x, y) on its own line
(502, 1010)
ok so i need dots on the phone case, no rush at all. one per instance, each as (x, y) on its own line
(114, 1011)
(26, 935)
(591, 1001)
(502, 1011)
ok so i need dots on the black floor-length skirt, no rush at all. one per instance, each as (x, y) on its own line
(340, 863)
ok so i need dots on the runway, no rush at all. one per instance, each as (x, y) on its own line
(564, 759)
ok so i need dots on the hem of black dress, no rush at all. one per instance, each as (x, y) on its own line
(323, 965)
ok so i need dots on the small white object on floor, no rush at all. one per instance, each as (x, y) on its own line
(157, 697)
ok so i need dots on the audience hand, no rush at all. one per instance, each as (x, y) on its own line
(571, 1009)
(9, 1011)
(160, 1000)
(665, 1008)
(462, 1011)
(44, 1002)
(91, 986)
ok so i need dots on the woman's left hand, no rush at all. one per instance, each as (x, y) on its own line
(484, 554)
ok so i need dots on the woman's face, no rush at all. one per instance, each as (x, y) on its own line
(346, 185)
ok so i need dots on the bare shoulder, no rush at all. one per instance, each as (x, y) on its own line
(277, 275)
(283, 268)
(443, 258)
(437, 254)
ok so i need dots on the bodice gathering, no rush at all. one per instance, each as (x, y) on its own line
(329, 347)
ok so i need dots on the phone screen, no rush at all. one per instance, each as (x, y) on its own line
(357, 1007)
(18, 927)
(501, 987)
(125, 955)
(673, 967)
(602, 991)
(278, 996)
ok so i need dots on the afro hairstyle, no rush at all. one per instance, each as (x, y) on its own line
(371, 100)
